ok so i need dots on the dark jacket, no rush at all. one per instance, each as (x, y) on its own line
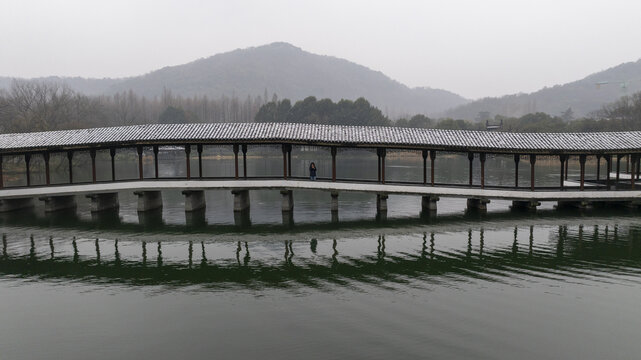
(312, 171)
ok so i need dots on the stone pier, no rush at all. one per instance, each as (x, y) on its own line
(103, 201)
(428, 204)
(241, 200)
(579, 204)
(527, 205)
(381, 202)
(477, 204)
(13, 204)
(334, 204)
(57, 203)
(194, 200)
(288, 201)
(149, 200)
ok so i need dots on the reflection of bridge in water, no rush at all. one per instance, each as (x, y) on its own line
(244, 138)
(576, 252)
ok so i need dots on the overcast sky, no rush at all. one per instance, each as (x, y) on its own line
(473, 48)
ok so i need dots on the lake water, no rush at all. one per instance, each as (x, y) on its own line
(502, 285)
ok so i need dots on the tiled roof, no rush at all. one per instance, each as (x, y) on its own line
(455, 140)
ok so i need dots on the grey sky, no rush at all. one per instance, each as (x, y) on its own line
(474, 48)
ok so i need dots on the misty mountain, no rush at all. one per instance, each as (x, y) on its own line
(291, 73)
(278, 68)
(582, 96)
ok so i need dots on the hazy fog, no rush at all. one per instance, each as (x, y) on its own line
(474, 48)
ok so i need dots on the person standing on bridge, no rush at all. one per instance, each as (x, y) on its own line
(312, 171)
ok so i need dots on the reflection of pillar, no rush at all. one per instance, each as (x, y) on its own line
(15, 204)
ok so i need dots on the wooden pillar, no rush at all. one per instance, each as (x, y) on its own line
(608, 167)
(155, 161)
(378, 156)
(432, 158)
(45, 155)
(383, 154)
(27, 160)
(633, 163)
(92, 154)
(619, 156)
(235, 161)
(517, 158)
(627, 164)
(567, 165)
(112, 153)
(532, 162)
(199, 148)
(289, 161)
(139, 148)
(482, 159)
(470, 157)
(188, 160)
(563, 159)
(284, 147)
(638, 166)
(244, 150)
(598, 168)
(333, 151)
(70, 162)
(582, 163)
(1, 175)
(424, 153)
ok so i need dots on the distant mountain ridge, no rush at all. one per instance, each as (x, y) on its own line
(583, 96)
(279, 68)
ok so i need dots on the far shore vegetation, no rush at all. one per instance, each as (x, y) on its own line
(29, 106)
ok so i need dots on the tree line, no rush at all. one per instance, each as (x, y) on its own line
(39, 106)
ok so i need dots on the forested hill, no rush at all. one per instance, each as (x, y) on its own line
(582, 96)
(291, 73)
